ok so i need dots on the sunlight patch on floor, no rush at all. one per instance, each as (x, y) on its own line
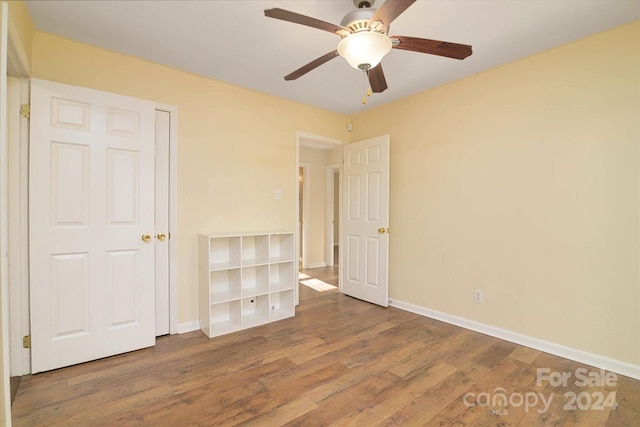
(302, 276)
(318, 285)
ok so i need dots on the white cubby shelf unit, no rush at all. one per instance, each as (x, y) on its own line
(246, 280)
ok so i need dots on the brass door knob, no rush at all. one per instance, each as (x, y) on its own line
(381, 230)
(161, 237)
(146, 238)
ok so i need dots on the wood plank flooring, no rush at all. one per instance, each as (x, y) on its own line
(340, 361)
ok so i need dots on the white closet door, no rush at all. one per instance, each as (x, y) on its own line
(91, 199)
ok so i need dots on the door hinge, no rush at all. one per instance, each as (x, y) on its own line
(25, 111)
(26, 341)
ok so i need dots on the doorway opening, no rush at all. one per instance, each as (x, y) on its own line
(318, 182)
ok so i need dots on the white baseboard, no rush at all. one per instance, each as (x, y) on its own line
(183, 328)
(596, 360)
(317, 265)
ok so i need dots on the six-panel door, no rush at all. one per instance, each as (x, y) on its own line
(91, 200)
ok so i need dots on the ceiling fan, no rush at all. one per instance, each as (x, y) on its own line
(365, 40)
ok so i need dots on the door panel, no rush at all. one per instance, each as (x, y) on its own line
(353, 197)
(70, 282)
(69, 184)
(373, 197)
(91, 196)
(122, 187)
(366, 220)
(122, 299)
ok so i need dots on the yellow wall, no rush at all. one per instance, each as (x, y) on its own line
(317, 210)
(236, 146)
(21, 25)
(523, 181)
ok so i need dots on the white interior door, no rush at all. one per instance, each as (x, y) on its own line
(91, 191)
(365, 223)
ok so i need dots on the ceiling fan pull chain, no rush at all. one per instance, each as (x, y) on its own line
(367, 90)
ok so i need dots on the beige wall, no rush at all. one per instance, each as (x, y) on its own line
(317, 220)
(235, 148)
(523, 181)
(21, 26)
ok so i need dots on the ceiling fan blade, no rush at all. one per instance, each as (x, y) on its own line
(296, 18)
(311, 65)
(389, 11)
(376, 79)
(433, 47)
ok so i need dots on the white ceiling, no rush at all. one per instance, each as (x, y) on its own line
(232, 41)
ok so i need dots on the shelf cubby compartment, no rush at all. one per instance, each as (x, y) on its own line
(255, 280)
(281, 247)
(281, 304)
(281, 276)
(255, 311)
(225, 318)
(255, 250)
(224, 252)
(225, 285)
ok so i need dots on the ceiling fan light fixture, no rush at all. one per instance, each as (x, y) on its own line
(364, 50)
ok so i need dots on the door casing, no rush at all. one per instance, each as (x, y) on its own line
(18, 133)
(5, 415)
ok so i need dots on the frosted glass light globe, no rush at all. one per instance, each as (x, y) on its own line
(364, 50)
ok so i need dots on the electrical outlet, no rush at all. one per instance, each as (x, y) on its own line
(478, 296)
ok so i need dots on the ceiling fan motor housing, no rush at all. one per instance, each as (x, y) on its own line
(358, 20)
(363, 3)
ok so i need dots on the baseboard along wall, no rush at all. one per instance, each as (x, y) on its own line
(595, 360)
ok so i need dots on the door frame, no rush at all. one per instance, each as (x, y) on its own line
(18, 66)
(18, 245)
(307, 139)
(5, 369)
(18, 143)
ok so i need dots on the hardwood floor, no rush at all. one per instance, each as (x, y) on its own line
(340, 361)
